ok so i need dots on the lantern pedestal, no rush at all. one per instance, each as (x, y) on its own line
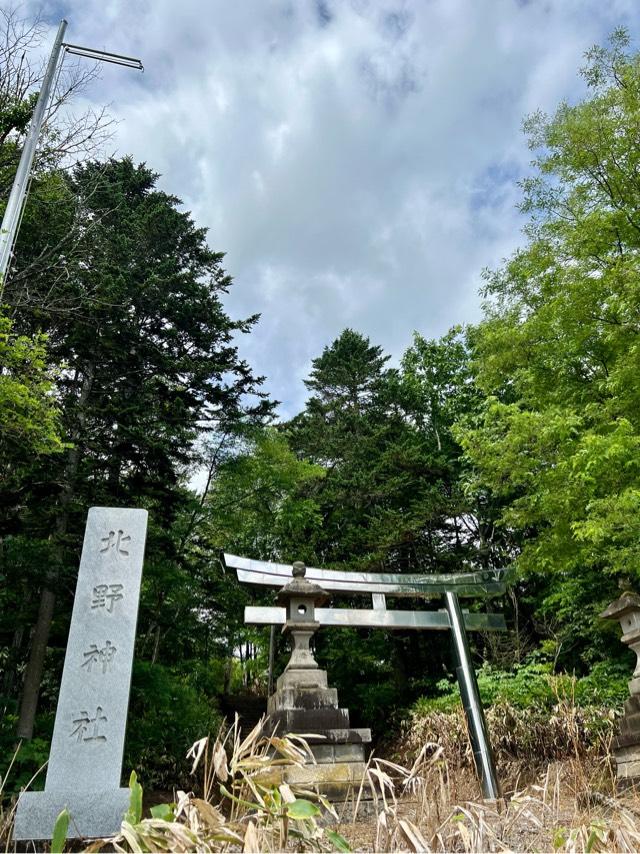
(626, 746)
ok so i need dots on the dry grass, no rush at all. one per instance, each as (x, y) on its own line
(528, 738)
(432, 807)
(429, 804)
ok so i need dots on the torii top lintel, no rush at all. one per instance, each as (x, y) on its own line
(266, 573)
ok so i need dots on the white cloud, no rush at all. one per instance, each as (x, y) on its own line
(356, 160)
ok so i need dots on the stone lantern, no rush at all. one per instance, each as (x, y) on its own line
(303, 702)
(626, 747)
(300, 598)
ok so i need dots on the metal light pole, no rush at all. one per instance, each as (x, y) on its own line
(15, 204)
(12, 212)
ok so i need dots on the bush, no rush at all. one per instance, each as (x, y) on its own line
(167, 714)
(21, 761)
(532, 714)
(533, 685)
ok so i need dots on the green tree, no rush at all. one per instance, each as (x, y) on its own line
(390, 499)
(261, 505)
(29, 430)
(257, 506)
(353, 428)
(558, 352)
(29, 413)
(438, 389)
(150, 365)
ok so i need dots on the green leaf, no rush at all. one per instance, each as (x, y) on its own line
(301, 809)
(560, 836)
(60, 829)
(134, 813)
(338, 841)
(224, 791)
(163, 811)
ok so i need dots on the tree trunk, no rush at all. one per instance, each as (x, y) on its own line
(156, 644)
(33, 674)
(35, 665)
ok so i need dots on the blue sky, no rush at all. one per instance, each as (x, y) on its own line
(356, 160)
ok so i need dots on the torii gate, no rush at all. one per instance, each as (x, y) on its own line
(378, 586)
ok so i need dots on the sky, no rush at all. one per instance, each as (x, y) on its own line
(356, 160)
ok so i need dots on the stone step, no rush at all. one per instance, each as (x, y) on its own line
(630, 726)
(628, 740)
(248, 707)
(632, 705)
(341, 736)
(335, 780)
(350, 752)
(303, 698)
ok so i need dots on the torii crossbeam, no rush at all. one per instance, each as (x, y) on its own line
(379, 586)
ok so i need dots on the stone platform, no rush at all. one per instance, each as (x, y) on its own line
(626, 745)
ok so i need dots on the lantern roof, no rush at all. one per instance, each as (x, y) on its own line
(627, 603)
(300, 587)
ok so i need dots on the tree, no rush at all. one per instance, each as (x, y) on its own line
(260, 505)
(47, 238)
(559, 435)
(65, 136)
(390, 499)
(28, 409)
(256, 507)
(349, 426)
(150, 365)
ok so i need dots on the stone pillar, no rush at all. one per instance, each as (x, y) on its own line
(303, 703)
(626, 746)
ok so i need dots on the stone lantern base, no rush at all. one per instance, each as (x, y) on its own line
(303, 705)
(626, 746)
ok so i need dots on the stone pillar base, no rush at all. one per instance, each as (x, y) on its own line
(93, 814)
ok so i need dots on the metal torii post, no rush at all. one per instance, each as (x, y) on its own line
(480, 744)
(377, 585)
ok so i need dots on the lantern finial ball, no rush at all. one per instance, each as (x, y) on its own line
(298, 570)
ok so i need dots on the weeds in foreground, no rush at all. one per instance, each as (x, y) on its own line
(7, 811)
(236, 811)
(555, 814)
(429, 806)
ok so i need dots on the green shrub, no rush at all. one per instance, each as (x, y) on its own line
(533, 685)
(30, 756)
(167, 714)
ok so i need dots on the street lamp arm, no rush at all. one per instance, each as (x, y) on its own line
(103, 56)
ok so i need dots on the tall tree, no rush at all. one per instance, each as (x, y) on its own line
(390, 499)
(150, 364)
(558, 353)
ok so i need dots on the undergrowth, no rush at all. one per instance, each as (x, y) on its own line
(534, 717)
(554, 765)
(427, 806)
(534, 685)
